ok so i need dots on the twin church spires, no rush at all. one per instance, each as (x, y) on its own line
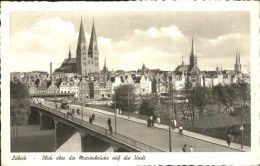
(87, 58)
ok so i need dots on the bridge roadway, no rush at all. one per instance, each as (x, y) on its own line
(155, 137)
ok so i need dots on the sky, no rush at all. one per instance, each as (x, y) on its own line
(128, 39)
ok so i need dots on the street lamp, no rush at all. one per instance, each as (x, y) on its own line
(115, 112)
(128, 103)
(242, 111)
(81, 97)
(170, 135)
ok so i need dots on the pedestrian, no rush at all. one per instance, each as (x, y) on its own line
(154, 117)
(68, 113)
(180, 130)
(172, 124)
(110, 129)
(90, 120)
(184, 149)
(148, 122)
(158, 120)
(191, 149)
(72, 112)
(78, 111)
(93, 117)
(56, 106)
(152, 122)
(229, 139)
(109, 122)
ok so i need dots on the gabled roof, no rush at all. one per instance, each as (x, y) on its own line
(182, 68)
(137, 79)
(71, 60)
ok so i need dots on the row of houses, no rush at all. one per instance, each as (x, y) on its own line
(92, 89)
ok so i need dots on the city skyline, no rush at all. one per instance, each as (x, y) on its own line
(158, 42)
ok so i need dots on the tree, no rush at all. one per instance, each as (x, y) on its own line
(18, 91)
(19, 103)
(124, 97)
(147, 106)
(221, 95)
(198, 97)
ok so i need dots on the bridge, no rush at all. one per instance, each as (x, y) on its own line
(67, 126)
(132, 134)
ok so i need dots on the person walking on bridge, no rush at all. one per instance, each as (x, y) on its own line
(229, 139)
(90, 120)
(185, 148)
(109, 122)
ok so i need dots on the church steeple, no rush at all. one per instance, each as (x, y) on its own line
(182, 61)
(105, 65)
(69, 53)
(81, 52)
(192, 54)
(82, 38)
(93, 53)
(237, 64)
(93, 41)
(193, 57)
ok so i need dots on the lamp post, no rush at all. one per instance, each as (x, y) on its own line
(115, 112)
(81, 97)
(192, 115)
(242, 111)
(128, 103)
(170, 135)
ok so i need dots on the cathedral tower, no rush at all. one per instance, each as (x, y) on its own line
(81, 53)
(193, 57)
(93, 53)
(237, 64)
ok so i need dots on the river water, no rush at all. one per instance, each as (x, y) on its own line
(31, 139)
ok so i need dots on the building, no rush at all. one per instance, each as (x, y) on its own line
(87, 57)
(192, 68)
(237, 64)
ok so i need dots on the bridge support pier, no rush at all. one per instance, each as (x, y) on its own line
(46, 122)
(41, 123)
(94, 144)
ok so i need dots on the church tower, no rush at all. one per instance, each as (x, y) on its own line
(81, 53)
(69, 53)
(105, 66)
(237, 64)
(193, 57)
(93, 53)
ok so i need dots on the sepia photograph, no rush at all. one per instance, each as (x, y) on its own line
(129, 81)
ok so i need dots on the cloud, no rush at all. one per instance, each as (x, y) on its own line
(49, 38)
(222, 50)
(158, 47)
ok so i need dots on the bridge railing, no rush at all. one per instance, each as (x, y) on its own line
(117, 136)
